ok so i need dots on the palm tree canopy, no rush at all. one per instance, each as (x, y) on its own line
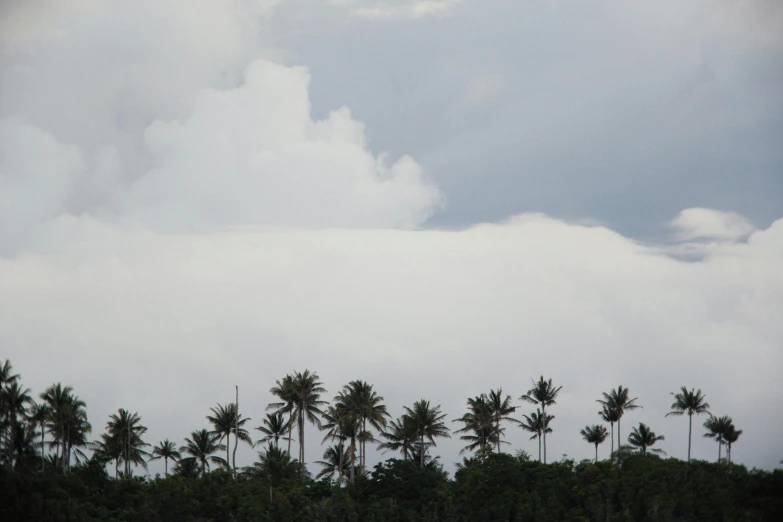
(543, 393)
(427, 421)
(608, 415)
(643, 437)
(224, 421)
(619, 400)
(537, 423)
(201, 445)
(165, 450)
(274, 428)
(717, 427)
(595, 434)
(690, 402)
(400, 436)
(335, 458)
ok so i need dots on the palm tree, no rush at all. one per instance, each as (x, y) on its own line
(480, 422)
(501, 410)
(427, 422)
(166, 450)
(595, 434)
(619, 401)
(336, 462)
(39, 414)
(110, 449)
(343, 423)
(690, 402)
(369, 407)
(125, 429)
(201, 445)
(274, 428)
(188, 468)
(642, 437)
(285, 392)
(543, 393)
(610, 416)
(716, 428)
(401, 436)
(15, 399)
(304, 389)
(226, 422)
(730, 435)
(7, 378)
(537, 424)
(276, 465)
(67, 421)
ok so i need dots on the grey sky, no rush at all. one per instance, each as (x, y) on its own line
(196, 194)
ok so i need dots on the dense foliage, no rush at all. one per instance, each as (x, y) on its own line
(51, 470)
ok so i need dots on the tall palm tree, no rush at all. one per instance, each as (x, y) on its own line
(716, 429)
(343, 423)
(305, 389)
(543, 393)
(730, 435)
(284, 390)
(479, 422)
(595, 434)
(537, 423)
(370, 408)
(110, 449)
(67, 421)
(275, 465)
(15, 399)
(501, 410)
(7, 375)
(642, 437)
(126, 429)
(39, 414)
(620, 401)
(57, 397)
(201, 445)
(690, 402)
(336, 462)
(428, 425)
(7, 378)
(609, 415)
(166, 450)
(274, 428)
(226, 422)
(401, 436)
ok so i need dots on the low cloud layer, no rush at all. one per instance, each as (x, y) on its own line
(168, 324)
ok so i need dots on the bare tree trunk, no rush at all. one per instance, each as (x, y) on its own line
(290, 429)
(539, 448)
(43, 451)
(619, 441)
(421, 453)
(690, 430)
(166, 464)
(546, 425)
(596, 453)
(236, 436)
(611, 455)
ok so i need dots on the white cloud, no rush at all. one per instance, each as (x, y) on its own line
(166, 325)
(709, 224)
(403, 8)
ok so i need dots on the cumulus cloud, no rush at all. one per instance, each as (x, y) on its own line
(709, 224)
(166, 325)
(181, 132)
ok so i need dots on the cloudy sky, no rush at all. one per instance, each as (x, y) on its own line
(437, 196)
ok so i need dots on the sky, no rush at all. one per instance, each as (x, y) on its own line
(438, 197)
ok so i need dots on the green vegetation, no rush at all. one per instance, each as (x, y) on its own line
(50, 470)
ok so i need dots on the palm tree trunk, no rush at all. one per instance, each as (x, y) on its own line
(166, 464)
(539, 447)
(236, 436)
(619, 442)
(290, 421)
(611, 455)
(353, 457)
(43, 451)
(421, 453)
(690, 430)
(720, 447)
(596, 453)
(543, 409)
(228, 448)
(728, 452)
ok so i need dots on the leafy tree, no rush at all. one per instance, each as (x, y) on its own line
(595, 434)
(401, 436)
(166, 450)
(619, 401)
(39, 414)
(501, 410)
(274, 428)
(226, 421)
(537, 423)
(716, 429)
(642, 438)
(303, 390)
(479, 423)
(543, 393)
(427, 422)
(200, 446)
(125, 430)
(609, 415)
(335, 462)
(284, 390)
(690, 402)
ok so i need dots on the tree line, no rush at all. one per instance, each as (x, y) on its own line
(355, 417)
